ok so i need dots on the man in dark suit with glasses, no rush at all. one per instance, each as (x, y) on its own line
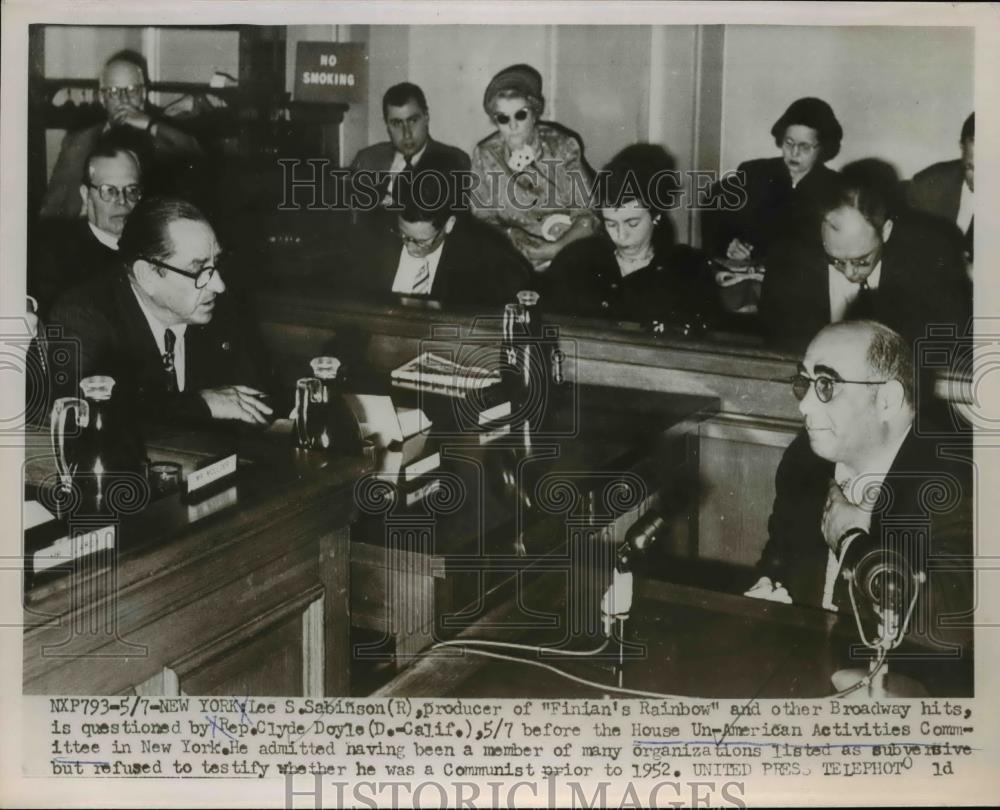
(434, 252)
(122, 92)
(868, 259)
(67, 253)
(859, 478)
(161, 325)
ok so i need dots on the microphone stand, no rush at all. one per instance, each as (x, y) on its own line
(877, 683)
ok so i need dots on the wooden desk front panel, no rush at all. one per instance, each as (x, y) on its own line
(739, 449)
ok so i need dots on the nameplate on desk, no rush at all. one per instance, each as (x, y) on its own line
(212, 504)
(496, 412)
(423, 491)
(73, 547)
(493, 435)
(204, 479)
(426, 464)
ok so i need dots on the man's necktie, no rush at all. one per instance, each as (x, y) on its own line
(863, 306)
(421, 284)
(969, 240)
(169, 372)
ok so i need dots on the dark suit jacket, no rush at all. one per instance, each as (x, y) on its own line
(937, 189)
(104, 319)
(478, 267)
(927, 517)
(378, 157)
(674, 288)
(169, 145)
(922, 282)
(772, 209)
(63, 255)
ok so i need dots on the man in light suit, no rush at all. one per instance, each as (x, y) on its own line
(178, 349)
(122, 93)
(410, 146)
(948, 189)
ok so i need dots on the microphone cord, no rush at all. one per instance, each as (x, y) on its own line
(880, 662)
(562, 673)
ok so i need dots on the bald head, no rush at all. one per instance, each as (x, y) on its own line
(871, 405)
(122, 85)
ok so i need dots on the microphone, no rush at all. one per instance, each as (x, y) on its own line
(889, 583)
(645, 531)
(884, 578)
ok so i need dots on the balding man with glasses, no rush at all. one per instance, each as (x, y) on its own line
(860, 477)
(122, 93)
(67, 253)
(867, 257)
(179, 349)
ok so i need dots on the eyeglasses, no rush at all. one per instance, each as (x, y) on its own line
(864, 262)
(119, 93)
(418, 243)
(202, 278)
(108, 193)
(804, 147)
(826, 386)
(503, 118)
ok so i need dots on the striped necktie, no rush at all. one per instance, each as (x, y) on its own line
(169, 371)
(421, 284)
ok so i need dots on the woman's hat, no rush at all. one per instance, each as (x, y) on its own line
(523, 79)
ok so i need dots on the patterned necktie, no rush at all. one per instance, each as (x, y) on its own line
(169, 372)
(421, 284)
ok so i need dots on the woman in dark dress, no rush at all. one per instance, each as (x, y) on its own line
(633, 270)
(780, 194)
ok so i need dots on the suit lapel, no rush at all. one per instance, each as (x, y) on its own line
(135, 330)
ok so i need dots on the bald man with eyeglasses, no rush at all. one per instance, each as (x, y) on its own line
(867, 257)
(164, 326)
(122, 92)
(861, 477)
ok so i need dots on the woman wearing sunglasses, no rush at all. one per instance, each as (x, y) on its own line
(531, 178)
(634, 271)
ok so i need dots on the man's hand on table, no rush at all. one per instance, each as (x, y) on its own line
(764, 588)
(738, 249)
(238, 402)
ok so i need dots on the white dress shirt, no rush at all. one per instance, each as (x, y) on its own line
(158, 328)
(409, 270)
(843, 292)
(860, 490)
(397, 165)
(966, 208)
(109, 240)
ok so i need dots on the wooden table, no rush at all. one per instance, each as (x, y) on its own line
(243, 593)
(680, 641)
(432, 556)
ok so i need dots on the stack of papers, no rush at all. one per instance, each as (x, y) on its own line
(431, 372)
